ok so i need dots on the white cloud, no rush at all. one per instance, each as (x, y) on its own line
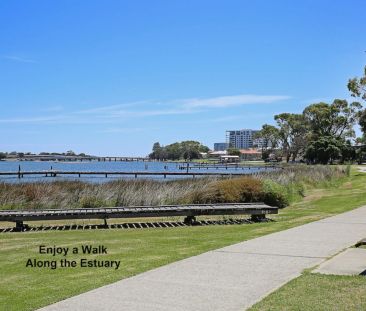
(18, 59)
(122, 130)
(110, 108)
(236, 100)
(116, 113)
(163, 112)
(31, 119)
(55, 108)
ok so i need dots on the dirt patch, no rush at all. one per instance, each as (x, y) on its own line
(315, 195)
(347, 185)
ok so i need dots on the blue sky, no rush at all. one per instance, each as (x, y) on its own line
(113, 77)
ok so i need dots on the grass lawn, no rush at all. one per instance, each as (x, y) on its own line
(141, 250)
(317, 292)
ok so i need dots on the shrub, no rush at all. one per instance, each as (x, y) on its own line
(348, 170)
(244, 189)
(275, 194)
(91, 202)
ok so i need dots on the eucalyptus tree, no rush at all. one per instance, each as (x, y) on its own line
(332, 120)
(292, 133)
(269, 136)
(184, 150)
(357, 87)
(330, 128)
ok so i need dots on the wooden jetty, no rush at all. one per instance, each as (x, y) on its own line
(55, 173)
(75, 158)
(224, 166)
(258, 211)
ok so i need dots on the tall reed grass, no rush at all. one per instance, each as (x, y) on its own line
(276, 188)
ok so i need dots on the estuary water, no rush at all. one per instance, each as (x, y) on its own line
(110, 166)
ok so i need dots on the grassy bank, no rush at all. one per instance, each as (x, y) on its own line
(141, 250)
(317, 292)
(279, 188)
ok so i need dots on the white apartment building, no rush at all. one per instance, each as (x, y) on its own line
(241, 139)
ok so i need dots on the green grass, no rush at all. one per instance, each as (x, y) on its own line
(317, 292)
(141, 250)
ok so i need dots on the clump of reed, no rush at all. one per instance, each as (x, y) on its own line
(305, 174)
(278, 188)
(75, 194)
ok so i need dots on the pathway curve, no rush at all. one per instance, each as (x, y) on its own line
(230, 278)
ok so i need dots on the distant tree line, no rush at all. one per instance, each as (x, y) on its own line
(187, 150)
(322, 133)
(4, 155)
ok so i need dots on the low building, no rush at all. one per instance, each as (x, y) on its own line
(216, 154)
(221, 146)
(250, 154)
(229, 159)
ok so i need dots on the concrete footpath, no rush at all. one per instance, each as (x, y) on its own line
(230, 278)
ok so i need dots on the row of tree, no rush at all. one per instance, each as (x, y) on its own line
(4, 155)
(322, 133)
(187, 150)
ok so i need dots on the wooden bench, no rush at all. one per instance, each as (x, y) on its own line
(258, 211)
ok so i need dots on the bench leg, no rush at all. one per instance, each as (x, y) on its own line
(258, 218)
(189, 220)
(19, 226)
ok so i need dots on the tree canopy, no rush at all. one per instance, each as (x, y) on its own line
(184, 150)
(335, 120)
(320, 134)
(357, 86)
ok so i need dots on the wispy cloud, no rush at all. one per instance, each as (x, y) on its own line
(163, 112)
(236, 100)
(145, 109)
(109, 108)
(55, 108)
(32, 119)
(18, 59)
(122, 130)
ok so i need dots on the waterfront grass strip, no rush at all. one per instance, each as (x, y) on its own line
(317, 292)
(142, 250)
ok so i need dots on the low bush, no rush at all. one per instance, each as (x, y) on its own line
(91, 202)
(275, 194)
(244, 189)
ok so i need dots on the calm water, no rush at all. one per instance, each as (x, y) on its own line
(103, 166)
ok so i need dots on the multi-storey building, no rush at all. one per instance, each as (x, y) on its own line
(220, 146)
(240, 139)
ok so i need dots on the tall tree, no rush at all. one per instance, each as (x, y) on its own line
(330, 125)
(157, 152)
(184, 150)
(362, 122)
(269, 136)
(333, 120)
(292, 133)
(357, 87)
